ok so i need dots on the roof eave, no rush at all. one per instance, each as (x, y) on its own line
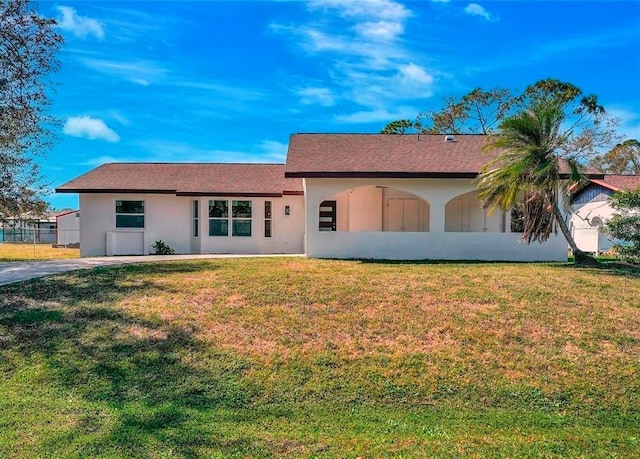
(230, 194)
(112, 190)
(380, 174)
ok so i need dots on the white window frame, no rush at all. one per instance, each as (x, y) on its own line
(268, 219)
(226, 218)
(129, 214)
(234, 219)
(195, 218)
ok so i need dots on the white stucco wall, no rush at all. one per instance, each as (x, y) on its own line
(68, 228)
(287, 230)
(435, 244)
(169, 218)
(589, 238)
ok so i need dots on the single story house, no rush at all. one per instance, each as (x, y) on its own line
(194, 208)
(337, 196)
(591, 210)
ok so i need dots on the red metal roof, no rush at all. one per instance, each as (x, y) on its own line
(619, 182)
(187, 179)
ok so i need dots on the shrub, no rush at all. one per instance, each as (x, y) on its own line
(625, 225)
(160, 248)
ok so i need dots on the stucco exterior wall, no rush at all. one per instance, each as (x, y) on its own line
(589, 238)
(287, 230)
(435, 244)
(68, 228)
(167, 218)
(170, 218)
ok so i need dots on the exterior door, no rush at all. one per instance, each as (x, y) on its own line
(327, 217)
(403, 214)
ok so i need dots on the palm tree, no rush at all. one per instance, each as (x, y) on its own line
(529, 171)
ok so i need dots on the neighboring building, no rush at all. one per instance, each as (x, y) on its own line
(591, 210)
(68, 228)
(29, 227)
(365, 196)
(194, 208)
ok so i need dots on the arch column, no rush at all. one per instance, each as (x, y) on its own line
(437, 217)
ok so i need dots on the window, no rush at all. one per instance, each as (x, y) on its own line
(195, 219)
(129, 214)
(241, 218)
(218, 218)
(267, 219)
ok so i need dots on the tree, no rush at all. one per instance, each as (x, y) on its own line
(475, 113)
(480, 111)
(531, 168)
(624, 158)
(625, 224)
(399, 127)
(591, 129)
(28, 48)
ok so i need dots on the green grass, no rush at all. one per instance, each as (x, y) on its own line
(320, 358)
(28, 252)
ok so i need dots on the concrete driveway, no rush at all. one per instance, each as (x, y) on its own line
(19, 271)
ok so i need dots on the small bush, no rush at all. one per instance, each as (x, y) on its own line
(160, 248)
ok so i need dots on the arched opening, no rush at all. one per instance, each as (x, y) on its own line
(374, 208)
(465, 214)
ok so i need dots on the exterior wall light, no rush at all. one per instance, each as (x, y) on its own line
(287, 210)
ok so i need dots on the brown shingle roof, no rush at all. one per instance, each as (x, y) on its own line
(619, 182)
(334, 155)
(187, 179)
(384, 155)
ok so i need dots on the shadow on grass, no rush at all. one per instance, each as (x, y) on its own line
(614, 268)
(431, 262)
(150, 384)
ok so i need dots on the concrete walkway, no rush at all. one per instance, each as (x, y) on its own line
(18, 271)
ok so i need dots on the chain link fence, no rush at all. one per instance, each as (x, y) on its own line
(38, 243)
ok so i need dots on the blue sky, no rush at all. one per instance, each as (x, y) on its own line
(223, 81)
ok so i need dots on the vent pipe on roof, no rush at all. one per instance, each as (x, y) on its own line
(448, 138)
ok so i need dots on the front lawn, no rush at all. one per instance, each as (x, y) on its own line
(27, 252)
(317, 358)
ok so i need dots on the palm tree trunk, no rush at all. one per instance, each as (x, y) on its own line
(580, 258)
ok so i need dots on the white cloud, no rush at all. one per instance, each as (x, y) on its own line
(477, 10)
(382, 9)
(273, 150)
(381, 30)
(371, 64)
(120, 118)
(629, 122)
(316, 96)
(140, 81)
(100, 160)
(89, 128)
(80, 26)
(140, 72)
(266, 151)
(377, 115)
(412, 73)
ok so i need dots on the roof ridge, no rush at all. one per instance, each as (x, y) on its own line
(176, 163)
(385, 135)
